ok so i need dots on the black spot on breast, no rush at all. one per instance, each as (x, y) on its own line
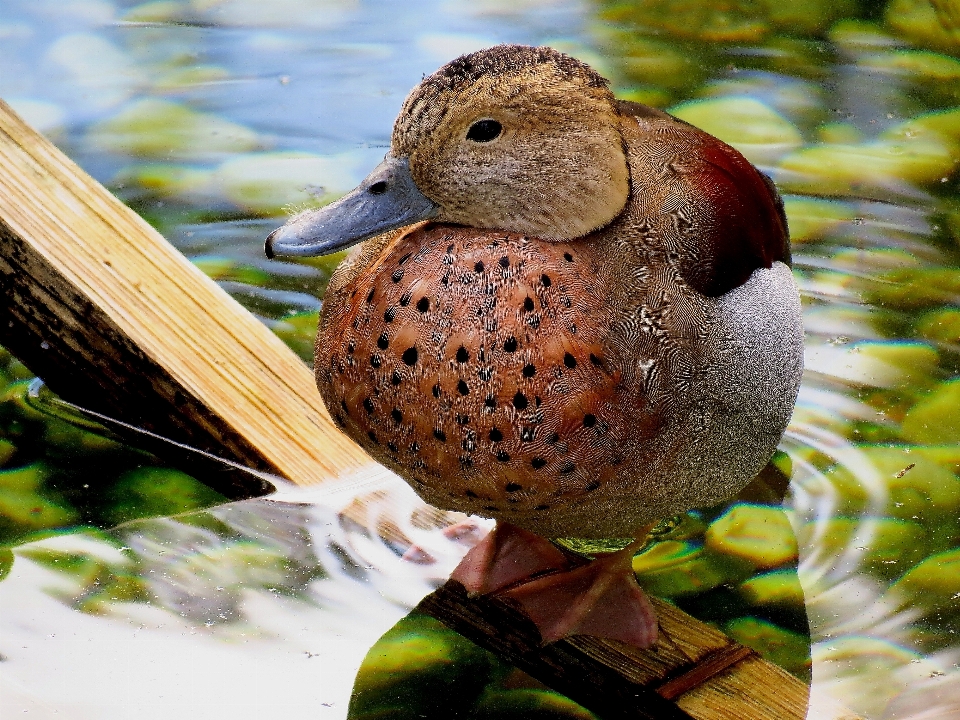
(462, 354)
(436, 390)
(351, 346)
(513, 487)
(478, 266)
(542, 507)
(504, 262)
(392, 448)
(545, 280)
(373, 437)
(396, 415)
(589, 420)
(402, 260)
(490, 401)
(395, 379)
(567, 468)
(520, 401)
(496, 435)
(471, 494)
(368, 405)
(594, 360)
(591, 487)
(534, 321)
(383, 341)
(527, 434)
(510, 345)
(409, 356)
(343, 404)
(569, 360)
(405, 298)
(537, 463)
(528, 304)
(568, 257)
(450, 249)
(390, 314)
(463, 419)
(503, 456)
(376, 361)
(485, 373)
(371, 294)
(529, 371)
(414, 447)
(462, 388)
(440, 435)
(423, 304)
(397, 275)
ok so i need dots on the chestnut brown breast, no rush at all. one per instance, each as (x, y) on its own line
(475, 364)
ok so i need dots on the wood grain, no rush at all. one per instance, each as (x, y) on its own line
(694, 671)
(97, 303)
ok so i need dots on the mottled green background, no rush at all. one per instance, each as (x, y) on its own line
(215, 119)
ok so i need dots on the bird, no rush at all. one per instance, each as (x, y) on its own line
(568, 312)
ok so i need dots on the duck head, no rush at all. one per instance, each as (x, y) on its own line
(512, 138)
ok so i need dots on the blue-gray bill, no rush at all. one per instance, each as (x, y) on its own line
(386, 200)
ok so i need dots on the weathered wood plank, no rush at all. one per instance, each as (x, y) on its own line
(694, 671)
(115, 319)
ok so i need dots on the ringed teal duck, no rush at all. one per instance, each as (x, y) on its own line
(570, 313)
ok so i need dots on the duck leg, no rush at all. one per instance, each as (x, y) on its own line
(600, 598)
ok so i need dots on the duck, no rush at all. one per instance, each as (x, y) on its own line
(571, 313)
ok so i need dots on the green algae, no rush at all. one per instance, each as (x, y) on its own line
(775, 588)
(933, 585)
(154, 128)
(752, 127)
(813, 219)
(788, 649)
(157, 492)
(910, 485)
(420, 669)
(758, 535)
(935, 419)
(672, 569)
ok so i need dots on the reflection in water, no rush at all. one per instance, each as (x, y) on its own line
(212, 119)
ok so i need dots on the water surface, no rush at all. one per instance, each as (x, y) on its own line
(217, 118)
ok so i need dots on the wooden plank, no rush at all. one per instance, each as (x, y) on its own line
(97, 303)
(694, 671)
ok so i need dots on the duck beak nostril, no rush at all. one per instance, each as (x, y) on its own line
(268, 245)
(378, 188)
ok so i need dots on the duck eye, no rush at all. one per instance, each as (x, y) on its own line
(484, 130)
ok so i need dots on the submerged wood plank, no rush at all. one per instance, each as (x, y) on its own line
(97, 303)
(694, 671)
